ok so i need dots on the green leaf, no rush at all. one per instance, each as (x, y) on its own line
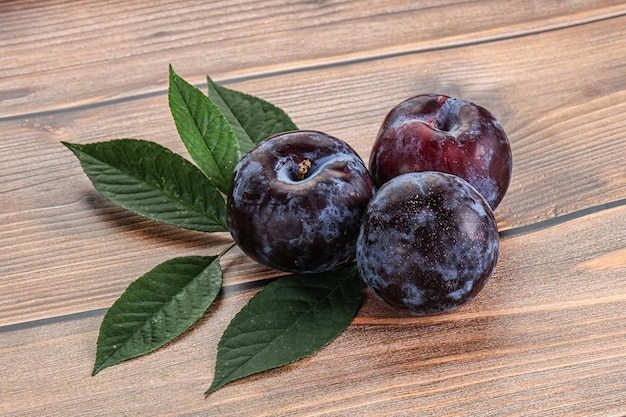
(286, 321)
(253, 119)
(157, 308)
(204, 130)
(152, 181)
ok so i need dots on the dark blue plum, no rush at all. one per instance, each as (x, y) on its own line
(428, 243)
(296, 202)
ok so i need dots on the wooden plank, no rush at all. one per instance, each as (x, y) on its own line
(60, 54)
(68, 250)
(546, 337)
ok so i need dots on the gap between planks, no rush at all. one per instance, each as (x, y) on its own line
(250, 286)
(453, 42)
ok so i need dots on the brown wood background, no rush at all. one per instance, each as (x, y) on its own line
(547, 337)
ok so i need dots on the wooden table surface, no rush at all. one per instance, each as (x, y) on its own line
(547, 336)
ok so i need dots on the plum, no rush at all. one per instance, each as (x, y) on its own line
(428, 243)
(296, 202)
(432, 132)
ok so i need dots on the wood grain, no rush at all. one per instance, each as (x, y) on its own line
(82, 251)
(546, 337)
(56, 49)
(528, 345)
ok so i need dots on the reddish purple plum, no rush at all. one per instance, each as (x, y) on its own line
(428, 243)
(296, 202)
(433, 132)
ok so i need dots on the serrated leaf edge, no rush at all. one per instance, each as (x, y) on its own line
(225, 381)
(223, 182)
(245, 142)
(102, 364)
(81, 148)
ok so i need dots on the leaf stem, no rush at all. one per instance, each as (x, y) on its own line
(222, 253)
